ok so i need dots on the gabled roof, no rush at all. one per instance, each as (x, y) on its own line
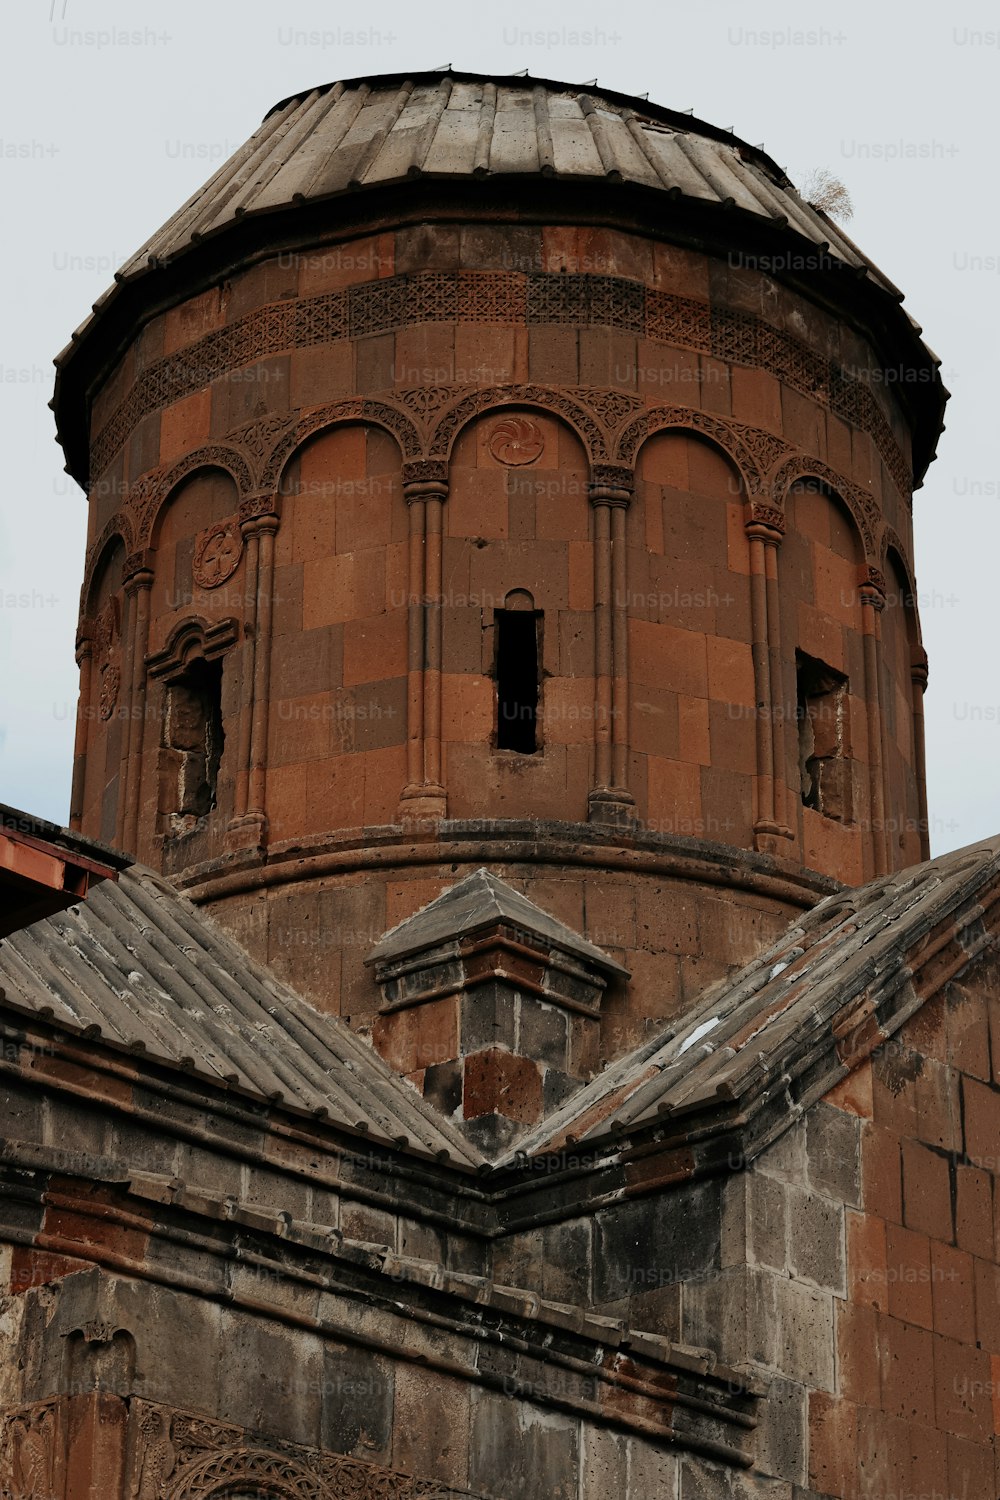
(798, 1018)
(140, 968)
(474, 904)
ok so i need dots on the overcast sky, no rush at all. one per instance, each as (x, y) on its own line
(114, 112)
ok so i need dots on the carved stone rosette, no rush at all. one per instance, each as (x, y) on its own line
(217, 553)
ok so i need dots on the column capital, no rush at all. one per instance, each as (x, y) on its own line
(611, 484)
(137, 571)
(871, 586)
(764, 523)
(258, 513)
(918, 668)
(425, 478)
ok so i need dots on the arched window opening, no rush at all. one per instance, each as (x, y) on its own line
(191, 750)
(517, 635)
(824, 764)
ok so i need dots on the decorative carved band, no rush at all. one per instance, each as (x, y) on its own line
(425, 471)
(179, 1455)
(505, 298)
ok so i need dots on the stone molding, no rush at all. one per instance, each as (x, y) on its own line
(532, 299)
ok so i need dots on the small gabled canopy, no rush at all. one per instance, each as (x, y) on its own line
(479, 902)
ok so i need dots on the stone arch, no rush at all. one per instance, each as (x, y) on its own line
(892, 546)
(242, 1471)
(862, 507)
(398, 423)
(117, 530)
(552, 402)
(716, 430)
(149, 511)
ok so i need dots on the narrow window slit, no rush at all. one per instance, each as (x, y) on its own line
(517, 656)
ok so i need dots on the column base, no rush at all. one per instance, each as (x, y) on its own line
(247, 833)
(422, 804)
(612, 805)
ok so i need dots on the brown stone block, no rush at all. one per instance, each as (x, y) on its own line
(727, 798)
(495, 247)
(385, 777)
(908, 1270)
(562, 505)
(987, 1281)
(756, 398)
(477, 503)
(194, 318)
(288, 582)
(420, 247)
(336, 792)
(352, 263)
(854, 1093)
(927, 1192)
(835, 586)
(238, 394)
(425, 355)
(567, 710)
(143, 447)
(970, 1469)
(269, 281)
(832, 1445)
(969, 1035)
(881, 1171)
(674, 792)
(184, 425)
(831, 848)
(580, 560)
(374, 363)
(730, 672)
(288, 812)
(906, 1356)
(497, 1082)
(300, 729)
(342, 588)
(83, 1220)
(803, 422)
(857, 1353)
(608, 358)
(964, 1403)
(982, 1124)
(560, 248)
(974, 1229)
(715, 385)
(553, 356)
(375, 648)
(683, 272)
(666, 374)
(866, 1260)
(420, 1036)
(484, 355)
(937, 1103)
(662, 656)
(732, 737)
(322, 373)
(693, 730)
(468, 707)
(609, 252)
(954, 1293)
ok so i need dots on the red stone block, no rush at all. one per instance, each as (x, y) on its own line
(927, 1192)
(498, 1082)
(908, 1273)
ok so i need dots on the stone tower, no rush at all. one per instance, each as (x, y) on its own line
(496, 475)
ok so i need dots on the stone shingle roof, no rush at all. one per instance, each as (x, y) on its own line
(141, 969)
(796, 1020)
(370, 132)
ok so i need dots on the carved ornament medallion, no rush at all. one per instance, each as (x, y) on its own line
(516, 441)
(217, 553)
